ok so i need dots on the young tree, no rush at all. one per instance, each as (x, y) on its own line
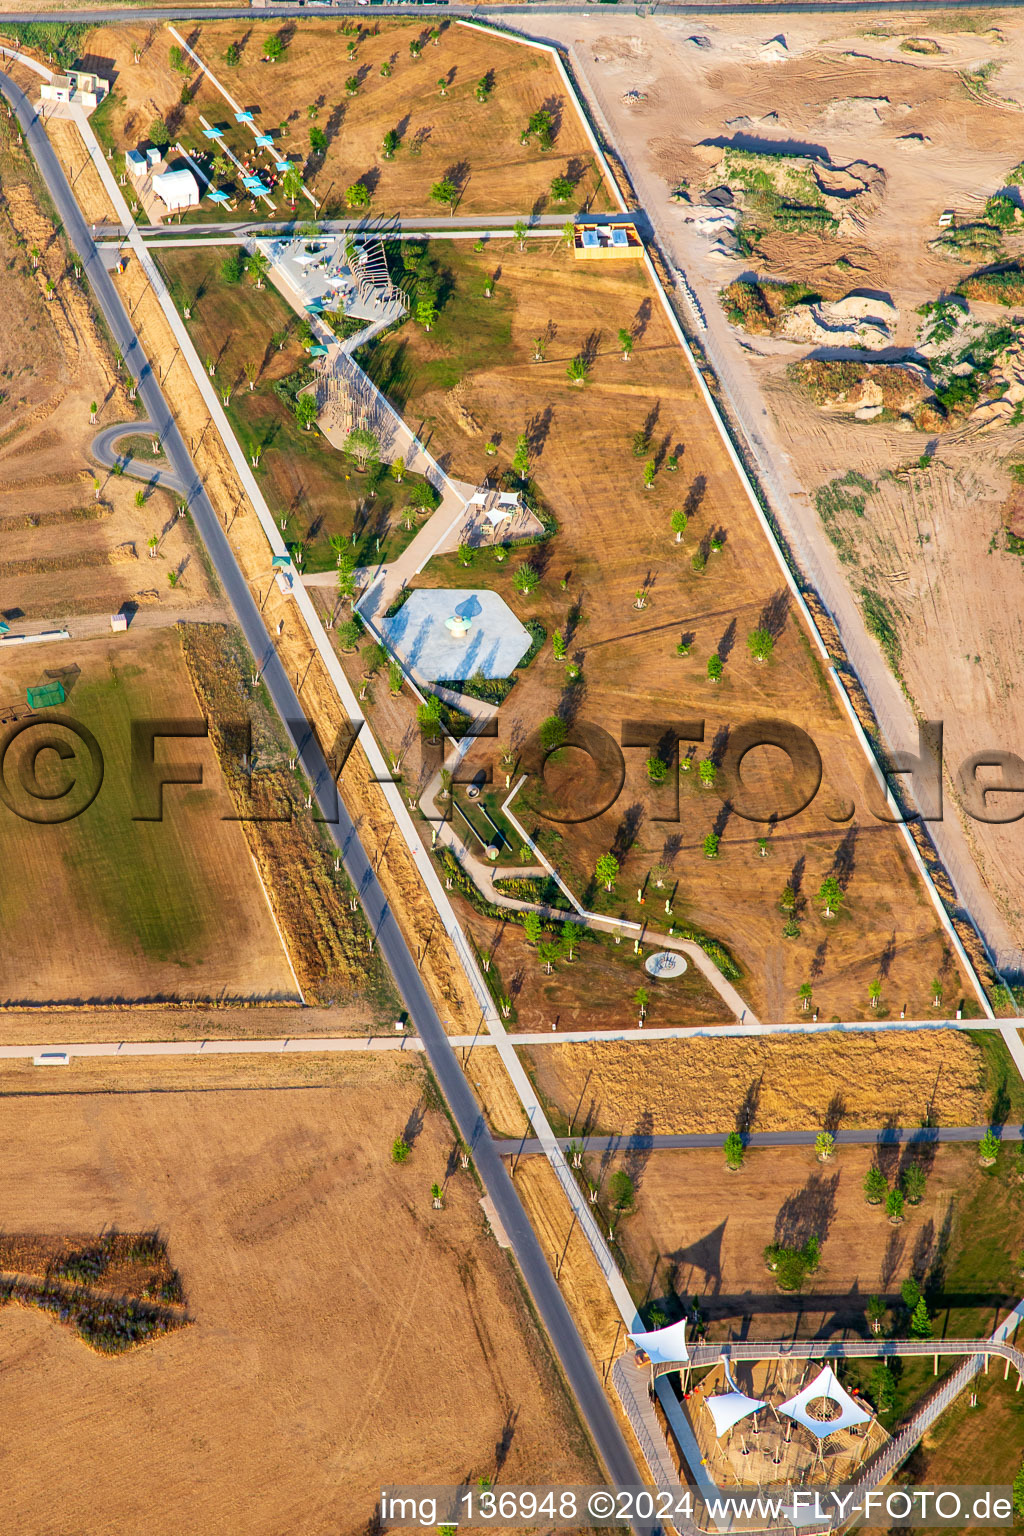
(357, 195)
(578, 371)
(446, 193)
(876, 1312)
(894, 1206)
(734, 1150)
(318, 141)
(363, 447)
(920, 1322)
(520, 229)
(787, 901)
(233, 55)
(258, 266)
(715, 668)
(291, 185)
(521, 457)
(650, 470)
(553, 732)
(306, 411)
(883, 1384)
(532, 927)
(548, 953)
(274, 47)
(385, 69)
(936, 992)
(424, 497)
(390, 145)
(711, 843)
(483, 88)
(349, 634)
(679, 521)
(561, 189)
(805, 995)
(607, 870)
(707, 772)
(558, 645)
(830, 894)
(874, 991)
(415, 48)
(657, 769)
(875, 1186)
(397, 470)
(525, 579)
(177, 60)
(760, 644)
(400, 1150)
(641, 997)
(914, 1181)
(426, 313)
(988, 1148)
(352, 85)
(824, 1146)
(641, 444)
(623, 1191)
(428, 717)
(159, 133)
(625, 344)
(394, 679)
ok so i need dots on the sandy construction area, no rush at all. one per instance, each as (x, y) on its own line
(344, 1333)
(931, 106)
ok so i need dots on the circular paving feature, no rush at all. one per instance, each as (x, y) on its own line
(665, 965)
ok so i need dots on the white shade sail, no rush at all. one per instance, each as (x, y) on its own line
(664, 1346)
(825, 1384)
(728, 1408)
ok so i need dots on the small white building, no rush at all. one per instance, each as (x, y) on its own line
(154, 157)
(78, 86)
(177, 190)
(135, 164)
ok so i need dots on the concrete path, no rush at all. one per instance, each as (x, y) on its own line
(122, 1049)
(695, 1141)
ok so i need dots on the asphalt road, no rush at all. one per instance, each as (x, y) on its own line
(890, 1136)
(297, 12)
(579, 1372)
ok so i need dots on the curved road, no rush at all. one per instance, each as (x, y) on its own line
(160, 474)
(579, 1372)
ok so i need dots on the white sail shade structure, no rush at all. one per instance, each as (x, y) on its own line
(728, 1408)
(664, 1346)
(826, 1384)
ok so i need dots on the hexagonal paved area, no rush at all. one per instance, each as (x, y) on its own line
(494, 644)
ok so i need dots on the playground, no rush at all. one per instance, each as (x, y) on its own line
(107, 908)
(258, 1194)
(453, 135)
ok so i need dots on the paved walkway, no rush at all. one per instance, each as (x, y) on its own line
(290, 1046)
(696, 1141)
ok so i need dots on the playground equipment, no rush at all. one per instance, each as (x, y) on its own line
(45, 695)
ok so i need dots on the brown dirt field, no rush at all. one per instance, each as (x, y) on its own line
(493, 1089)
(401, 880)
(76, 926)
(320, 1345)
(476, 144)
(56, 363)
(676, 1086)
(89, 191)
(613, 535)
(134, 1021)
(702, 1231)
(933, 546)
(569, 1254)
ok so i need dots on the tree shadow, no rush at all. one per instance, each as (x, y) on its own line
(695, 495)
(808, 1213)
(748, 1109)
(628, 830)
(892, 1257)
(834, 1113)
(638, 1154)
(728, 641)
(641, 320)
(537, 429)
(775, 612)
(843, 860)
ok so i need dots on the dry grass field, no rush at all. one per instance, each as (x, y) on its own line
(106, 907)
(475, 144)
(71, 548)
(768, 1084)
(614, 539)
(356, 1334)
(699, 1229)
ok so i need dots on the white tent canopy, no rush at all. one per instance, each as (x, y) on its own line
(728, 1408)
(664, 1346)
(825, 1384)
